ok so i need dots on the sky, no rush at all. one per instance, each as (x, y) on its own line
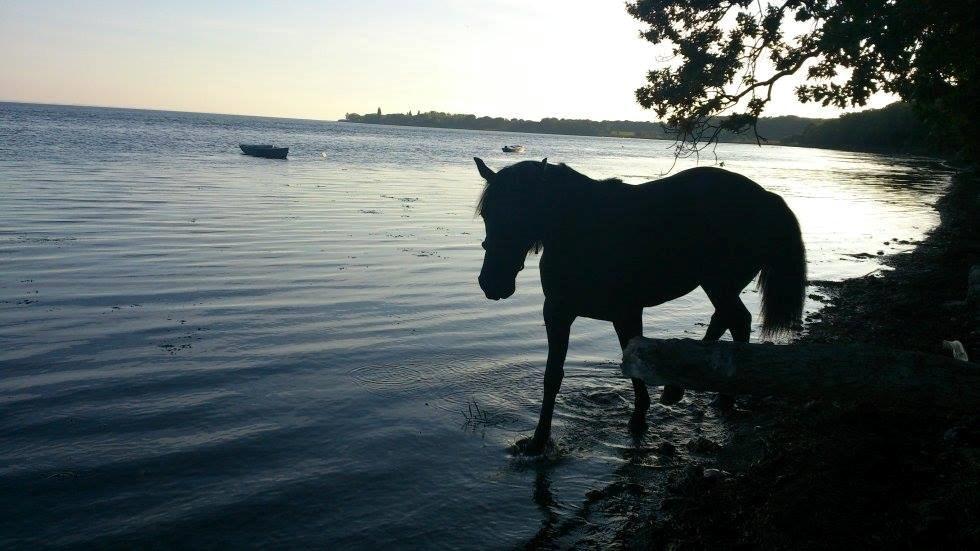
(319, 60)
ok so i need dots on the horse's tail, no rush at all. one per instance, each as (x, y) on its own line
(783, 276)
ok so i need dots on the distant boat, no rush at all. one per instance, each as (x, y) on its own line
(513, 149)
(264, 150)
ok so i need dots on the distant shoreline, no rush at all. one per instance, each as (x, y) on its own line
(894, 129)
(775, 130)
(890, 130)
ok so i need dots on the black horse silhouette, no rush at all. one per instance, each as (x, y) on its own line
(610, 249)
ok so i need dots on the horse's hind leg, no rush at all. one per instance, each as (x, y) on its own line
(741, 321)
(730, 313)
(672, 393)
(626, 328)
(716, 328)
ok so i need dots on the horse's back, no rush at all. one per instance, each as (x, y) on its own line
(652, 242)
(703, 183)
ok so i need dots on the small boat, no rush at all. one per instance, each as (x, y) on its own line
(513, 149)
(264, 150)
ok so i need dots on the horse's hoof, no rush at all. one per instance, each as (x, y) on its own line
(725, 402)
(638, 425)
(671, 395)
(532, 448)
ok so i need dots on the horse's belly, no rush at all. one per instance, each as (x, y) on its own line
(608, 291)
(613, 307)
(667, 294)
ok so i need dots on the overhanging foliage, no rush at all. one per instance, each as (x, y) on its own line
(727, 57)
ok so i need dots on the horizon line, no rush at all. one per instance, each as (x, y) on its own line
(161, 110)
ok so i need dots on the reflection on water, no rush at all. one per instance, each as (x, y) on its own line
(202, 348)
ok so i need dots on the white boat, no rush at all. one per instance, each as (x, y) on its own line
(513, 149)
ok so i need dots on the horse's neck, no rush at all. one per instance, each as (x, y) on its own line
(580, 203)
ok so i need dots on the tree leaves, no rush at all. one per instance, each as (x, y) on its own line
(728, 56)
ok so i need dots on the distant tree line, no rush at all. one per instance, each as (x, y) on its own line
(774, 129)
(576, 127)
(895, 128)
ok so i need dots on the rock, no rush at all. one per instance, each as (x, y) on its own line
(715, 475)
(951, 436)
(849, 371)
(702, 445)
(954, 305)
(594, 495)
(956, 350)
(688, 480)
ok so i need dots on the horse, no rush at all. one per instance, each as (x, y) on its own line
(609, 249)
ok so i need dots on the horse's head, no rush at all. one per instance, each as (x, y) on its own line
(511, 207)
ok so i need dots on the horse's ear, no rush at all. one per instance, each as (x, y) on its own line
(483, 168)
(545, 161)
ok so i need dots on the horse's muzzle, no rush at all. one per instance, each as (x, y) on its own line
(498, 296)
(496, 292)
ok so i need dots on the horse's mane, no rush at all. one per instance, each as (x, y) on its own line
(570, 172)
(531, 170)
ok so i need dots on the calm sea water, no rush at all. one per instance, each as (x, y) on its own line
(202, 348)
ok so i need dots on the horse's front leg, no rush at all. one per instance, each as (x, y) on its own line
(558, 324)
(628, 327)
